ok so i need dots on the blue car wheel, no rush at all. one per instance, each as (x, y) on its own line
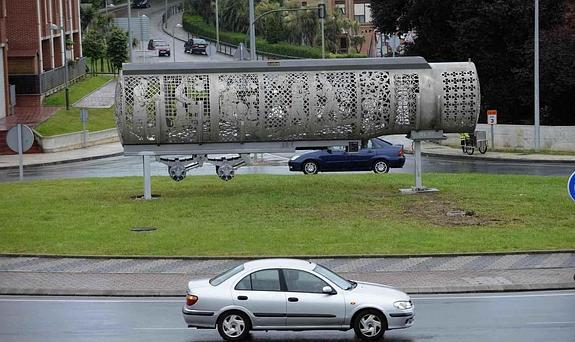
(380, 166)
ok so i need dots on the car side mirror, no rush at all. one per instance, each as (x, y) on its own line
(328, 290)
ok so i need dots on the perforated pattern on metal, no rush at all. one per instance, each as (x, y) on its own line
(375, 101)
(406, 90)
(187, 105)
(460, 97)
(142, 98)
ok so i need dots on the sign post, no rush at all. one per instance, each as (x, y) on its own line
(571, 186)
(20, 138)
(84, 120)
(492, 121)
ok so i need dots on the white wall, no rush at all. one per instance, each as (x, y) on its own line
(556, 138)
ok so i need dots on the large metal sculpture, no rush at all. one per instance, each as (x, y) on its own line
(196, 109)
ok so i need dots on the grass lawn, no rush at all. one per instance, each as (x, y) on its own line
(287, 215)
(68, 121)
(77, 91)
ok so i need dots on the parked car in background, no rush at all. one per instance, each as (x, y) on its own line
(159, 45)
(290, 294)
(376, 155)
(141, 4)
(194, 45)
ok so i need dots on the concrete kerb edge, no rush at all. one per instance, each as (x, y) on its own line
(65, 161)
(155, 293)
(496, 159)
(252, 257)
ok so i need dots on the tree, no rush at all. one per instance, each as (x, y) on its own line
(497, 35)
(356, 38)
(117, 48)
(270, 26)
(94, 47)
(86, 15)
(336, 26)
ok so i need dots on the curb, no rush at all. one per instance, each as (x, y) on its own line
(182, 293)
(495, 159)
(251, 257)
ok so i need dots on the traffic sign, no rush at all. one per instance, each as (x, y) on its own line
(27, 138)
(492, 117)
(571, 186)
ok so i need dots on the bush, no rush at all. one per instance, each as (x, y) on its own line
(196, 25)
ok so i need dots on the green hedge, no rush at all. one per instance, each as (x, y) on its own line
(195, 24)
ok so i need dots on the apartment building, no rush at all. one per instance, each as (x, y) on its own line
(358, 10)
(37, 50)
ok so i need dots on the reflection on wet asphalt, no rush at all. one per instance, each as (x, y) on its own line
(277, 164)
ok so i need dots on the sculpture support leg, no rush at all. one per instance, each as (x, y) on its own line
(417, 153)
(147, 178)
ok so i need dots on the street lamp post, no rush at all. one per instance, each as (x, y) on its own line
(323, 29)
(130, 39)
(55, 27)
(217, 26)
(536, 76)
(253, 55)
(174, 40)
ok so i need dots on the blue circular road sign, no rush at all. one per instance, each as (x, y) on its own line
(571, 186)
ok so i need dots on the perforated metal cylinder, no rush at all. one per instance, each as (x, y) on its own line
(197, 103)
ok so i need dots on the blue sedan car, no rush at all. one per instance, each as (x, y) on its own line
(377, 155)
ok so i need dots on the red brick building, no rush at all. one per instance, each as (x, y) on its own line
(34, 49)
(4, 105)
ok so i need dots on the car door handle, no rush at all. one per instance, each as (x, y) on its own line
(292, 299)
(242, 297)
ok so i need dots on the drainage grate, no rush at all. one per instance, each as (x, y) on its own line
(143, 229)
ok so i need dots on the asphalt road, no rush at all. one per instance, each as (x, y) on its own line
(132, 166)
(530, 316)
(142, 55)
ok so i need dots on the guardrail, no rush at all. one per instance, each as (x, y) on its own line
(49, 81)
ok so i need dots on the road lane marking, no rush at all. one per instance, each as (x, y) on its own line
(543, 323)
(496, 296)
(182, 301)
(161, 328)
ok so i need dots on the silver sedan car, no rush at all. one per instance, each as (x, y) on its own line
(289, 294)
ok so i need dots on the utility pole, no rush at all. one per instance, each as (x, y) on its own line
(536, 63)
(217, 27)
(165, 13)
(130, 39)
(253, 55)
(323, 10)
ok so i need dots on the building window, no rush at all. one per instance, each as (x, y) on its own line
(362, 12)
(340, 6)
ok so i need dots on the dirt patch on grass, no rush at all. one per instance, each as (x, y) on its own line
(446, 213)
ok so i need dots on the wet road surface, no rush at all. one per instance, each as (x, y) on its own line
(277, 164)
(528, 316)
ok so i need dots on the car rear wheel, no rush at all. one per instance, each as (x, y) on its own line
(380, 166)
(233, 326)
(310, 167)
(370, 325)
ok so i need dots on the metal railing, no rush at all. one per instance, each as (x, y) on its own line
(50, 81)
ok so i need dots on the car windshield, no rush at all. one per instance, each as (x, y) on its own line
(333, 277)
(200, 41)
(378, 143)
(161, 43)
(217, 280)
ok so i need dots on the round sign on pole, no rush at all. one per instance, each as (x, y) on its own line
(571, 186)
(27, 138)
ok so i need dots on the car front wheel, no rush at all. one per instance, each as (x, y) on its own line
(310, 167)
(370, 325)
(380, 166)
(233, 326)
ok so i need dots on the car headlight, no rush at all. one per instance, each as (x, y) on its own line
(294, 158)
(403, 305)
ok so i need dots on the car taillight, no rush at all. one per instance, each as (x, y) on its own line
(401, 152)
(194, 46)
(191, 300)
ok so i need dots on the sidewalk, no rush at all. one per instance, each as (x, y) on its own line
(169, 276)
